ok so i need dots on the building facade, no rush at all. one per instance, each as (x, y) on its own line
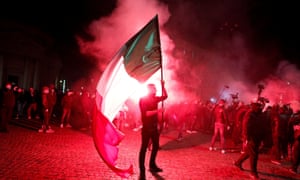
(27, 57)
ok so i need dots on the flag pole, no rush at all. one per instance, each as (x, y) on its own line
(158, 34)
(161, 74)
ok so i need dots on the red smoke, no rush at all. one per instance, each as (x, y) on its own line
(191, 71)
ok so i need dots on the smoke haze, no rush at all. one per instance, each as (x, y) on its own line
(207, 47)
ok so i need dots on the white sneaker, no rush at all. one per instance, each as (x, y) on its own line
(212, 148)
(42, 129)
(223, 151)
(137, 128)
(180, 138)
(61, 125)
(49, 131)
(275, 162)
(293, 171)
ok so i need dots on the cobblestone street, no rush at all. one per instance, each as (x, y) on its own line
(71, 154)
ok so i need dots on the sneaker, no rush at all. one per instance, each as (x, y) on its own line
(179, 139)
(293, 171)
(137, 128)
(223, 151)
(238, 165)
(212, 148)
(42, 129)
(29, 117)
(68, 126)
(155, 169)
(275, 162)
(49, 131)
(189, 131)
(61, 125)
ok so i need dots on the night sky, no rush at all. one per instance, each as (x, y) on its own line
(268, 27)
(270, 21)
(61, 20)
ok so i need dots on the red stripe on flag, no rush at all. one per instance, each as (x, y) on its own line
(106, 139)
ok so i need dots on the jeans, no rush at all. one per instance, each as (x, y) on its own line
(219, 128)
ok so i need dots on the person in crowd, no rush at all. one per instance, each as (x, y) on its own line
(66, 103)
(86, 102)
(275, 153)
(280, 131)
(284, 117)
(232, 110)
(52, 98)
(267, 142)
(7, 100)
(79, 116)
(294, 140)
(179, 116)
(46, 112)
(32, 101)
(121, 117)
(221, 122)
(253, 133)
(149, 115)
(192, 117)
(205, 111)
(21, 102)
(238, 121)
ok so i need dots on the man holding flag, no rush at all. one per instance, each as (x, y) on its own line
(149, 113)
(137, 60)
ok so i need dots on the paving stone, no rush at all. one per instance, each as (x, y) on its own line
(71, 154)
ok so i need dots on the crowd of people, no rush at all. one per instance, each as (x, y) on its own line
(253, 127)
(72, 108)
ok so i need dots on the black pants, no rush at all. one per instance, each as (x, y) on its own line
(296, 155)
(251, 152)
(6, 116)
(146, 136)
